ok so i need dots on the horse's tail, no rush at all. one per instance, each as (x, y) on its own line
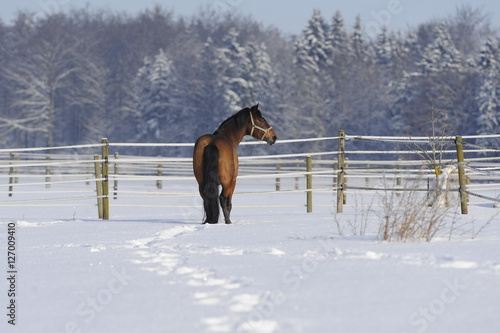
(211, 183)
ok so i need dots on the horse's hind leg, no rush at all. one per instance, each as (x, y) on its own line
(226, 202)
(207, 206)
(226, 207)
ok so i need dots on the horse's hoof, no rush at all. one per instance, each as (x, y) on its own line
(228, 222)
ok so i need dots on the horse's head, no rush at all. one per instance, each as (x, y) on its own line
(261, 130)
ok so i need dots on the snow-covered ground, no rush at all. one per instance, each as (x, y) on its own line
(275, 269)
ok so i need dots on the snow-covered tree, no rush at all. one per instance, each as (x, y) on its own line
(259, 74)
(411, 51)
(313, 77)
(359, 46)
(245, 72)
(87, 110)
(403, 95)
(154, 84)
(489, 94)
(383, 47)
(436, 80)
(73, 67)
(39, 78)
(313, 47)
(206, 93)
(230, 67)
(338, 40)
(441, 54)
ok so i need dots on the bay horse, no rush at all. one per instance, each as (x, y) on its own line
(215, 160)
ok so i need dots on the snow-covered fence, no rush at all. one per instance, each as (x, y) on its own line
(28, 170)
(87, 174)
(82, 175)
(429, 160)
(279, 174)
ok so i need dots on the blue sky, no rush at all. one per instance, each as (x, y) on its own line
(289, 16)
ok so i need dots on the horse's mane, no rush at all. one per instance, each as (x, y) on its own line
(240, 118)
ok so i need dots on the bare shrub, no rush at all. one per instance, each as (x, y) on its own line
(407, 214)
(356, 225)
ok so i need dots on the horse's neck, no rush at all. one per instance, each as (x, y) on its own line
(234, 134)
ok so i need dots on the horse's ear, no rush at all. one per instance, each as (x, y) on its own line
(255, 107)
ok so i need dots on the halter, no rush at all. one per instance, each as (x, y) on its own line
(265, 131)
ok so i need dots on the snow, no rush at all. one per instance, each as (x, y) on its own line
(275, 269)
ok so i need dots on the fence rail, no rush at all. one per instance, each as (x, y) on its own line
(345, 170)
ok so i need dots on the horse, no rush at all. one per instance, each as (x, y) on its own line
(215, 160)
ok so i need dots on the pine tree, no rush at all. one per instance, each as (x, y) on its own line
(206, 93)
(258, 73)
(338, 40)
(245, 71)
(437, 80)
(230, 66)
(60, 72)
(312, 77)
(303, 58)
(155, 81)
(411, 51)
(359, 46)
(489, 93)
(313, 48)
(441, 54)
(403, 100)
(383, 48)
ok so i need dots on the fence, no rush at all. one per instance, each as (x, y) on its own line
(342, 168)
(423, 158)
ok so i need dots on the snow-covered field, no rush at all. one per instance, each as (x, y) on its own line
(276, 269)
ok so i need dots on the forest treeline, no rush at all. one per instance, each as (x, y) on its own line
(73, 78)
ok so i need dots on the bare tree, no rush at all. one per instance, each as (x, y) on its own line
(39, 76)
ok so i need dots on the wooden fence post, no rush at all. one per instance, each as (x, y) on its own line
(88, 170)
(297, 167)
(344, 180)
(98, 184)
(278, 180)
(105, 182)
(47, 173)
(398, 178)
(341, 173)
(335, 170)
(159, 173)
(309, 183)
(367, 179)
(11, 174)
(115, 182)
(462, 179)
(16, 170)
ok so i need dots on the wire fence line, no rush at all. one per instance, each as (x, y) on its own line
(149, 145)
(127, 176)
(436, 156)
